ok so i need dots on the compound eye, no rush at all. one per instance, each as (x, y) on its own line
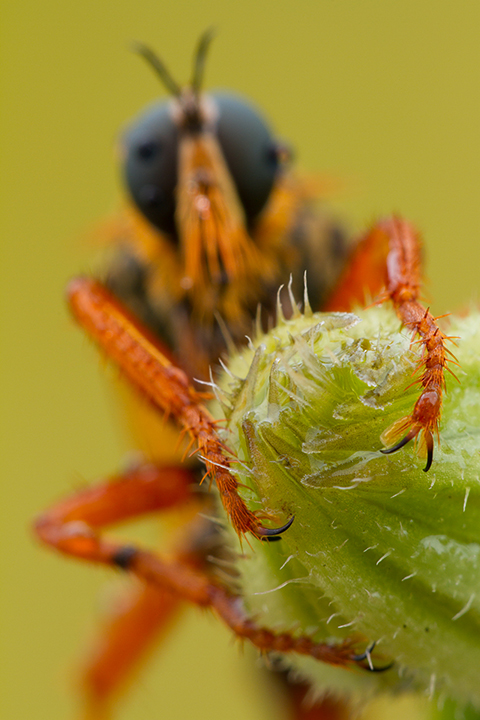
(150, 146)
(249, 150)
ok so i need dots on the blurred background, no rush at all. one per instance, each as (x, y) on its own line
(383, 98)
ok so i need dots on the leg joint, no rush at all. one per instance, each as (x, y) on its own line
(124, 556)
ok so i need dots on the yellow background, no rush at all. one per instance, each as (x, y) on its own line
(383, 95)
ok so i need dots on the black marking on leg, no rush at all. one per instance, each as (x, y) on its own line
(123, 558)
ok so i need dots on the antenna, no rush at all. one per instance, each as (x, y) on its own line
(199, 58)
(159, 67)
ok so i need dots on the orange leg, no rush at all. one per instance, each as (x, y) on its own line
(143, 614)
(141, 490)
(365, 275)
(166, 386)
(140, 619)
(74, 527)
(387, 264)
(130, 631)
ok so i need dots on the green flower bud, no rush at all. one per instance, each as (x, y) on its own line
(379, 550)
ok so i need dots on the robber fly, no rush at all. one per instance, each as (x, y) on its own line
(214, 223)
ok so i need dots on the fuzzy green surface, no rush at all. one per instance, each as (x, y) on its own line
(379, 549)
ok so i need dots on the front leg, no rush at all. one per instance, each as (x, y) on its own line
(167, 387)
(386, 265)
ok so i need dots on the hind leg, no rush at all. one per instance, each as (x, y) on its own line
(138, 621)
(144, 613)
